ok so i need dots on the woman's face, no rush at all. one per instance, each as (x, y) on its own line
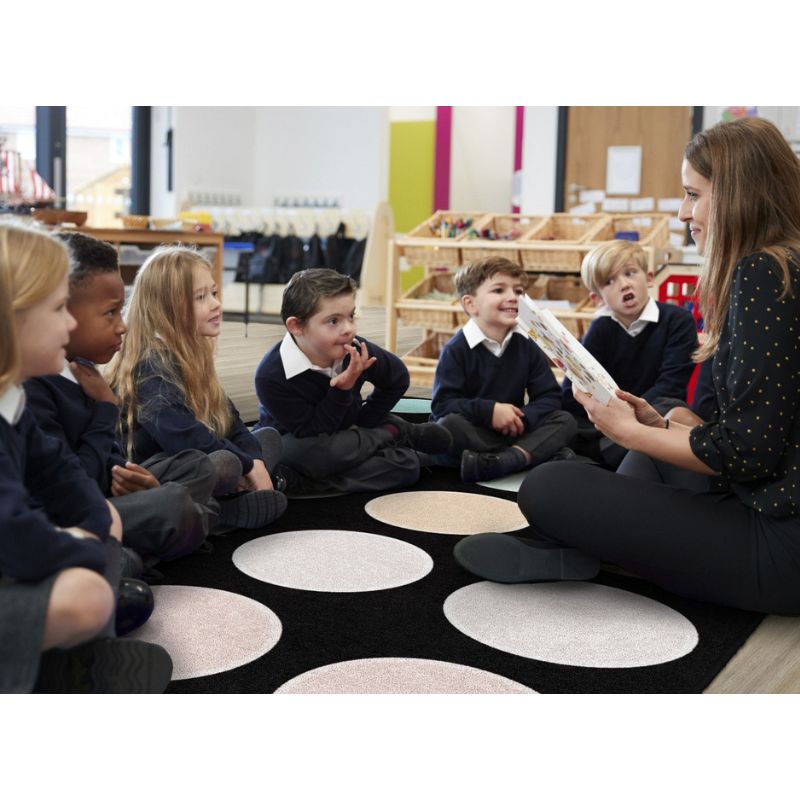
(696, 204)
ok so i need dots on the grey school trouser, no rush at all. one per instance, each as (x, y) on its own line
(170, 520)
(555, 431)
(355, 460)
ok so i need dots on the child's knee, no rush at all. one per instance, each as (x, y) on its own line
(81, 603)
(228, 471)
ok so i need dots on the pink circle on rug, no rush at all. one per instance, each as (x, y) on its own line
(571, 622)
(454, 513)
(332, 561)
(207, 631)
(400, 676)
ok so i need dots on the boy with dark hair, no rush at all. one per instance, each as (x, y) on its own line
(309, 389)
(162, 503)
(646, 346)
(483, 376)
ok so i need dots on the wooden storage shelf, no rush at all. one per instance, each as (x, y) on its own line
(152, 239)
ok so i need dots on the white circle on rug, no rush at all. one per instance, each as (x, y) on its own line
(574, 623)
(400, 676)
(508, 483)
(332, 561)
(455, 513)
(207, 631)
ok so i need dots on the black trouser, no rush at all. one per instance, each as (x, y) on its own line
(663, 524)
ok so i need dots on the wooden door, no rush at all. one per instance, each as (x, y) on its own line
(661, 131)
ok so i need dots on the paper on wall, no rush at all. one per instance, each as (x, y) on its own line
(643, 204)
(579, 365)
(592, 196)
(669, 204)
(624, 170)
(616, 204)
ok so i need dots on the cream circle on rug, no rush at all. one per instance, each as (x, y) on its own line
(332, 561)
(400, 676)
(207, 631)
(508, 483)
(456, 513)
(574, 623)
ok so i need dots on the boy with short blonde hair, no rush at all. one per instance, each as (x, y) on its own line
(484, 374)
(646, 346)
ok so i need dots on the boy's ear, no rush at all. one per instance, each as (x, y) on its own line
(650, 278)
(294, 326)
(596, 299)
(467, 303)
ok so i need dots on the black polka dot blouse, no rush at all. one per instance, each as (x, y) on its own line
(753, 441)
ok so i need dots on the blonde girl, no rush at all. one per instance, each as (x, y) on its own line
(169, 392)
(54, 521)
(710, 511)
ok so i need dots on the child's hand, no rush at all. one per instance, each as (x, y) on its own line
(360, 360)
(93, 383)
(257, 478)
(507, 419)
(645, 413)
(131, 478)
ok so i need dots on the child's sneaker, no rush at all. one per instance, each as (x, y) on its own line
(489, 466)
(105, 666)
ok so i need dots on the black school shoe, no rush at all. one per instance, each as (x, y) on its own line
(134, 605)
(425, 437)
(105, 666)
(503, 558)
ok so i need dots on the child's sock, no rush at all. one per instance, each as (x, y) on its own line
(252, 509)
(488, 466)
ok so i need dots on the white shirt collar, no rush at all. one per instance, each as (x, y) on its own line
(12, 404)
(296, 361)
(67, 372)
(649, 313)
(475, 336)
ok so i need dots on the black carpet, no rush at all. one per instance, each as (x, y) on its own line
(322, 628)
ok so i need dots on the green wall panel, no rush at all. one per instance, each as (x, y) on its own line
(411, 151)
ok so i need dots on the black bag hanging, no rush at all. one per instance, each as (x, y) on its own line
(291, 257)
(314, 255)
(337, 247)
(354, 259)
(272, 261)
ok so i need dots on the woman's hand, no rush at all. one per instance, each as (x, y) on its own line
(645, 413)
(257, 478)
(360, 361)
(617, 420)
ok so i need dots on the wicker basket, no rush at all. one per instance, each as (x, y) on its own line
(429, 228)
(550, 246)
(422, 359)
(506, 227)
(431, 257)
(653, 229)
(435, 315)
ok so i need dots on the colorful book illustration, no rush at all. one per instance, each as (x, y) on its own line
(565, 351)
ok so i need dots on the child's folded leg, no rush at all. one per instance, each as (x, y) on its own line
(252, 509)
(228, 470)
(191, 468)
(425, 437)
(271, 446)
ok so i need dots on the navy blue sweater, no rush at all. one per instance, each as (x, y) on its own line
(470, 381)
(43, 485)
(62, 409)
(165, 423)
(655, 363)
(306, 405)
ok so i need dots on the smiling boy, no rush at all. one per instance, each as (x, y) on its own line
(494, 389)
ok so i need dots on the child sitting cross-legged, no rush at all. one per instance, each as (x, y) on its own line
(309, 388)
(484, 374)
(646, 346)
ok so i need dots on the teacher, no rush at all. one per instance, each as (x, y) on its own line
(709, 512)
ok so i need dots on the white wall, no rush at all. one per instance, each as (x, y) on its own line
(539, 152)
(321, 152)
(482, 158)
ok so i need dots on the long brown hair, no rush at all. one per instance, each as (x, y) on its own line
(32, 264)
(162, 327)
(755, 207)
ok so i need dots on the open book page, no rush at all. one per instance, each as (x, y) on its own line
(558, 344)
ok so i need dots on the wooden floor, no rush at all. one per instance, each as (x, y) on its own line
(769, 662)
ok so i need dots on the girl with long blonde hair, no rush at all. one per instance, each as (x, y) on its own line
(708, 510)
(57, 539)
(170, 396)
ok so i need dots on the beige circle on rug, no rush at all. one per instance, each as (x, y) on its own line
(570, 622)
(207, 631)
(456, 513)
(400, 676)
(332, 561)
